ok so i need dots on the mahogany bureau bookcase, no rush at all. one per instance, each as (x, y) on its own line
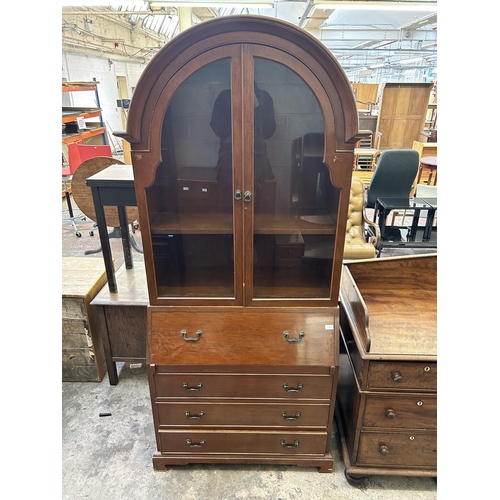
(387, 390)
(243, 322)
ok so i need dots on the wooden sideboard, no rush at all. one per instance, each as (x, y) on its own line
(387, 393)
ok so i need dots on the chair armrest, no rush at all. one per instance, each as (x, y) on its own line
(374, 240)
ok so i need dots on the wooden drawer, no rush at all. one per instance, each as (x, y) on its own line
(404, 449)
(417, 411)
(242, 414)
(400, 376)
(240, 385)
(216, 441)
(243, 338)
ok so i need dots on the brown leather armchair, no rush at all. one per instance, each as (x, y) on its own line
(356, 247)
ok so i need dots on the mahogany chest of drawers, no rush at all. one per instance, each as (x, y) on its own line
(387, 396)
(230, 387)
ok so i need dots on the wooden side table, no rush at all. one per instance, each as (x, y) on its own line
(429, 163)
(121, 318)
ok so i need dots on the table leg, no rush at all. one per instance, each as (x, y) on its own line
(122, 215)
(103, 236)
(414, 225)
(102, 326)
(428, 224)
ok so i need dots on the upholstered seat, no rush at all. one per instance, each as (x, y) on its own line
(355, 246)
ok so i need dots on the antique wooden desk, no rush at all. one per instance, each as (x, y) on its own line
(113, 186)
(120, 318)
(387, 393)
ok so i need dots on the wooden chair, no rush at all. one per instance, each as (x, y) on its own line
(366, 151)
(356, 246)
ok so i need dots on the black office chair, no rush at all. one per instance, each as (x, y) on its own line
(394, 175)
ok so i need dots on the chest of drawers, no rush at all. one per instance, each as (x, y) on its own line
(231, 387)
(387, 396)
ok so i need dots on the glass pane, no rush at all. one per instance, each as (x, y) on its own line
(192, 220)
(295, 201)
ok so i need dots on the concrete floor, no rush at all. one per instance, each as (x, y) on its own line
(110, 457)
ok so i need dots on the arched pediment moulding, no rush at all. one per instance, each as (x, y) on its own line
(225, 36)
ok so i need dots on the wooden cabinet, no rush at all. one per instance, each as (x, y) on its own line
(387, 392)
(402, 114)
(243, 336)
(83, 358)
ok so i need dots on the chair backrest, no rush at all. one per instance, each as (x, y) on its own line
(394, 175)
(355, 246)
(78, 153)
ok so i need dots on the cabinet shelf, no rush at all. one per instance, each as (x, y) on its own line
(222, 223)
(83, 135)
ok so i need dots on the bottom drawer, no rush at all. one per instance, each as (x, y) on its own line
(400, 449)
(199, 441)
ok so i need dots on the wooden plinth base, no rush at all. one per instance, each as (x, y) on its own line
(324, 463)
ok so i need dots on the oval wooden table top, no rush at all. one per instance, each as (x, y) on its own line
(429, 161)
(82, 194)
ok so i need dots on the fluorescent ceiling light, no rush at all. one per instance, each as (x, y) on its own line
(172, 3)
(214, 3)
(103, 3)
(376, 5)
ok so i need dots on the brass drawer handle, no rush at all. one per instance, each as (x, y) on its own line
(194, 417)
(287, 389)
(284, 415)
(390, 413)
(237, 195)
(191, 339)
(197, 388)
(247, 197)
(384, 450)
(195, 445)
(397, 377)
(289, 446)
(288, 339)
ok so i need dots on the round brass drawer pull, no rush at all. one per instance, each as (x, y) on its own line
(390, 413)
(384, 450)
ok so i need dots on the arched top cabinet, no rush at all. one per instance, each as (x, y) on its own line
(242, 131)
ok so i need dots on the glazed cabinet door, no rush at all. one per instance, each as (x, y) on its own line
(243, 206)
(191, 213)
(291, 206)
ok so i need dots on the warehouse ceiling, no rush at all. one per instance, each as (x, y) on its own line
(374, 41)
